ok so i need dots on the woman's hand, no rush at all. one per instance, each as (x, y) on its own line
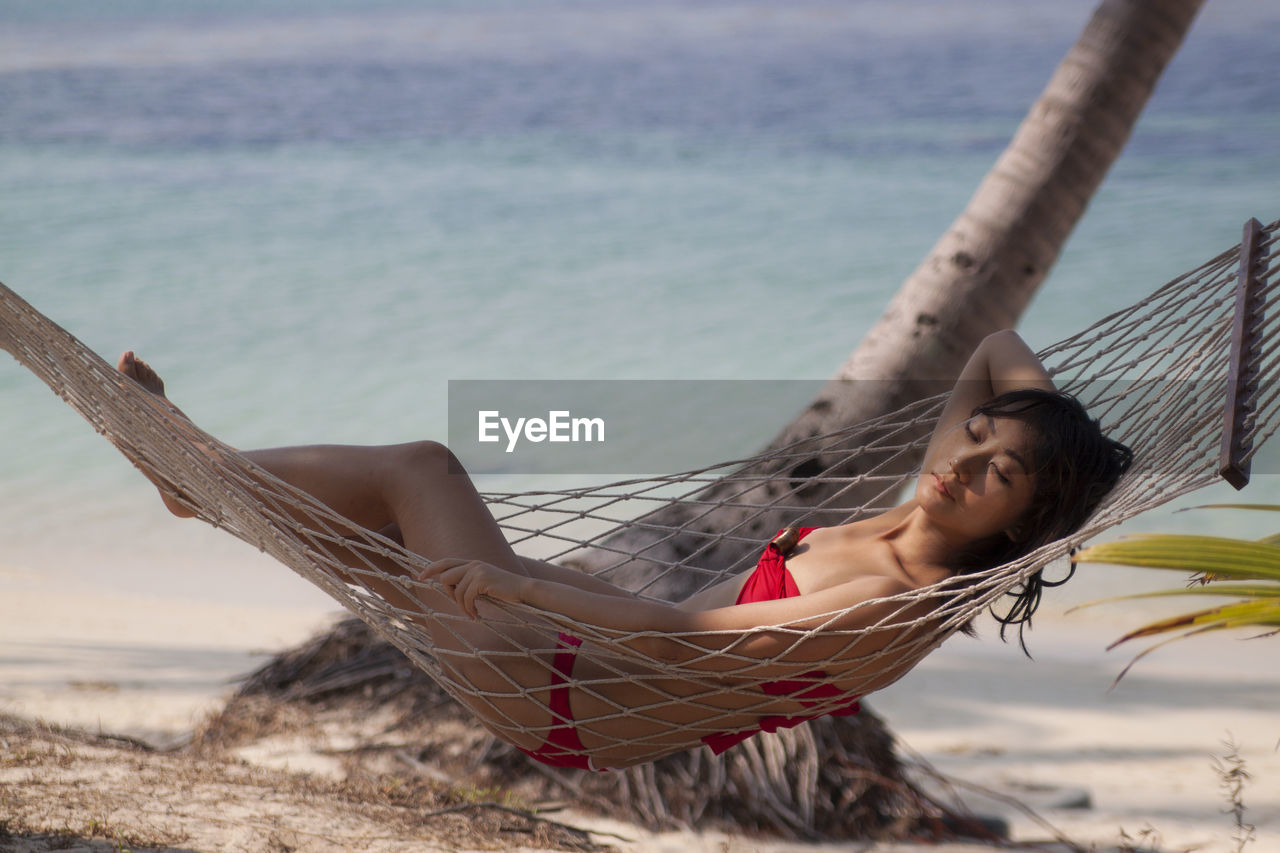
(467, 580)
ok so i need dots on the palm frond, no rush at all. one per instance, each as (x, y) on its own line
(1237, 558)
(1236, 590)
(1255, 565)
(1238, 615)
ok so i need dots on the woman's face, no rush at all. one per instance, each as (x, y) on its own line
(979, 481)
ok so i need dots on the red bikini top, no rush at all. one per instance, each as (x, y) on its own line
(769, 582)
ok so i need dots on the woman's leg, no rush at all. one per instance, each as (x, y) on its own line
(420, 488)
(501, 666)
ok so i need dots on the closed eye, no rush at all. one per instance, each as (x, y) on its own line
(1000, 474)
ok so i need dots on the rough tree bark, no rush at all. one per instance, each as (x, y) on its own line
(977, 279)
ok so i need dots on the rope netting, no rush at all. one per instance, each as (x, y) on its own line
(1154, 373)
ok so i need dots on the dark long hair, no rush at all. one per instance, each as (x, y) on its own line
(1075, 465)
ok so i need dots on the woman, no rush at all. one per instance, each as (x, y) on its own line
(1011, 465)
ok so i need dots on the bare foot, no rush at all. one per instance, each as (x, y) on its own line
(142, 373)
(138, 370)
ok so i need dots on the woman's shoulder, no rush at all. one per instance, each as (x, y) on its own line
(867, 526)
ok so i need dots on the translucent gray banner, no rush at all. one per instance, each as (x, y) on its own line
(653, 427)
(620, 427)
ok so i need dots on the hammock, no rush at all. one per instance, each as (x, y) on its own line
(1187, 377)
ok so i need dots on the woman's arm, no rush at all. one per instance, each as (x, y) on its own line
(538, 569)
(1002, 362)
(692, 638)
(542, 570)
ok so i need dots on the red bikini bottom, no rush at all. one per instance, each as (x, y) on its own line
(563, 747)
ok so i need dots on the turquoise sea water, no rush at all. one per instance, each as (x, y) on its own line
(310, 216)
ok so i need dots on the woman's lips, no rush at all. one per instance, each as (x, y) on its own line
(942, 487)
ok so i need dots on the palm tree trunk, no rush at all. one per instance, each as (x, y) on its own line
(977, 279)
(986, 267)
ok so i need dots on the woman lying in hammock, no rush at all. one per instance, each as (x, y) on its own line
(1012, 465)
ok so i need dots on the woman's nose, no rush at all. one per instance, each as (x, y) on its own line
(962, 467)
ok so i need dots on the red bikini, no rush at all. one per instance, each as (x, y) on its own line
(769, 582)
(772, 581)
(563, 747)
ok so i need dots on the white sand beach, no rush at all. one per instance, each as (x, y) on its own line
(1104, 766)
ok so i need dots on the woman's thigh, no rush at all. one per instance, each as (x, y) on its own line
(439, 511)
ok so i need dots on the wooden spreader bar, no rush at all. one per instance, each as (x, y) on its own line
(1242, 378)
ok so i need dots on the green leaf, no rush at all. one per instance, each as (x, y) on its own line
(1238, 615)
(1257, 563)
(1237, 590)
(1192, 553)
